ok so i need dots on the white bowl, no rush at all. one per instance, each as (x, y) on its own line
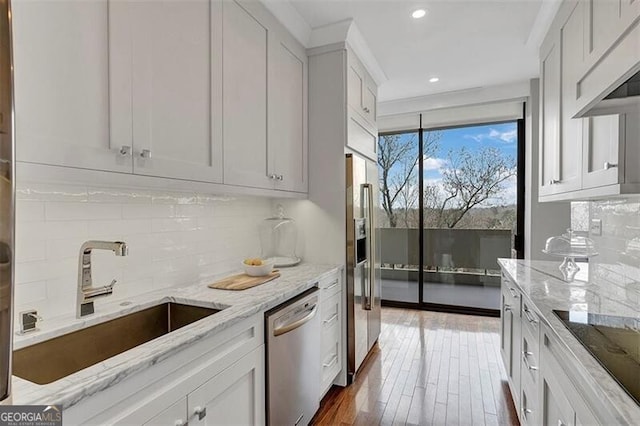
(258, 271)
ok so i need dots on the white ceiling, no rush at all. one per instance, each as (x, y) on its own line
(466, 43)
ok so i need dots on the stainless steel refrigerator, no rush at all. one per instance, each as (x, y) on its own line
(7, 191)
(363, 261)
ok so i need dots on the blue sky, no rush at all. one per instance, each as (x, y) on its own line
(500, 136)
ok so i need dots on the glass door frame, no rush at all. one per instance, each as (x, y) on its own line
(518, 240)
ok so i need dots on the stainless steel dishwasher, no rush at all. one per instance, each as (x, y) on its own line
(293, 360)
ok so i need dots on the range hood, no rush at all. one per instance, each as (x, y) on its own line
(622, 99)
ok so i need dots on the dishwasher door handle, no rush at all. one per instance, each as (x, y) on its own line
(297, 323)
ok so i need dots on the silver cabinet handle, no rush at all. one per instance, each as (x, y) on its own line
(514, 292)
(507, 308)
(608, 165)
(560, 423)
(201, 412)
(367, 110)
(332, 285)
(530, 317)
(332, 361)
(525, 354)
(272, 176)
(146, 153)
(280, 177)
(525, 410)
(331, 319)
(125, 151)
(554, 181)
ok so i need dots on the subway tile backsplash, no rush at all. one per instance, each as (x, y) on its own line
(618, 261)
(174, 238)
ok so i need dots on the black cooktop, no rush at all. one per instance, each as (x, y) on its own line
(613, 341)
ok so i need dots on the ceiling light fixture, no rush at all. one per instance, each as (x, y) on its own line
(420, 13)
(434, 80)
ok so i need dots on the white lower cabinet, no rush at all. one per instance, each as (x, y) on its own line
(174, 415)
(195, 386)
(332, 314)
(536, 368)
(234, 397)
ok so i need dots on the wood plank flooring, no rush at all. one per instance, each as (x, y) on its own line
(428, 368)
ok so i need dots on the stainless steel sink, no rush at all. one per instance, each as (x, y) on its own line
(54, 359)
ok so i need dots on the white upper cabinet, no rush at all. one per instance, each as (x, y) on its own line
(175, 60)
(571, 60)
(582, 157)
(287, 136)
(549, 116)
(195, 90)
(244, 98)
(62, 86)
(361, 91)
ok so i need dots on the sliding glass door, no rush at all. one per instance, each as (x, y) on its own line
(449, 209)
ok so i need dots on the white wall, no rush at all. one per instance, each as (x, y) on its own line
(174, 238)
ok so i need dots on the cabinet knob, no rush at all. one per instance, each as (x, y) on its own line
(280, 177)
(608, 165)
(367, 110)
(146, 153)
(125, 151)
(554, 181)
(201, 412)
(507, 308)
(273, 177)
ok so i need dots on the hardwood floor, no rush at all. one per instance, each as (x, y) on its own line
(429, 368)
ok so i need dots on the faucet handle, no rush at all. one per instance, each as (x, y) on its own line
(110, 286)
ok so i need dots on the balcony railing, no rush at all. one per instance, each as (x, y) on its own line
(450, 255)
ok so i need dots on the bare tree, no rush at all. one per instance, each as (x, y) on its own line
(398, 157)
(472, 178)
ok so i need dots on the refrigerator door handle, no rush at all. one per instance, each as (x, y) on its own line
(370, 250)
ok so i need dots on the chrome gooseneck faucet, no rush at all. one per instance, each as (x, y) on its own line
(86, 292)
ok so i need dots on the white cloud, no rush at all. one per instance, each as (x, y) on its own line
(509, 136)
(434, 163)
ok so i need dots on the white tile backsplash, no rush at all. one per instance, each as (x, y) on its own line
(618, 261)
(174, 238)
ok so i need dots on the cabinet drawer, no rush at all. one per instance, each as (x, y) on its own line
(530, 356)
(529, 408)
(331, 364)
(331, 312)
(530, 320)
(330, 285)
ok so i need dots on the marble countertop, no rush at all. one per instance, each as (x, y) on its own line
(235, 305)
(541, 283)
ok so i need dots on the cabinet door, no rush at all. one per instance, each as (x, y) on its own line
(506, 324)
(549, 117)
(355, 86)
(556, 409)
(175, 79)
(629, 12)
(62, 87)
(603, 26)
(369, 103)
(174, 415)
(234, 397)
(287, 116)
(244, 98)
(572, 58)
(604, 141)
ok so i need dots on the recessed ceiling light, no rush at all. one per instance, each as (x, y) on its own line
(434, 80)
(420, 13)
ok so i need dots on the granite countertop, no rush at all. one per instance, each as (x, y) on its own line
(235, 305)
(541, 283)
